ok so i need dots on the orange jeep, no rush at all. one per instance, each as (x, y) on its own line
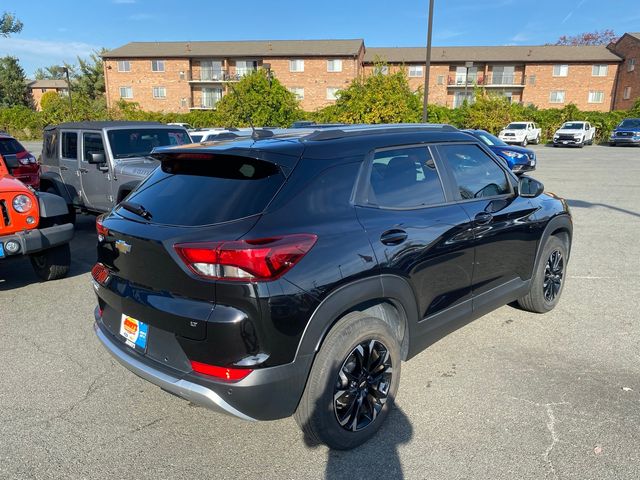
(30, 224)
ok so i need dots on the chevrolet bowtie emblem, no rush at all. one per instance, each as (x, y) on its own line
(122, 246)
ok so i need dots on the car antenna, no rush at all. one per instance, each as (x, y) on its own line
(255, 134)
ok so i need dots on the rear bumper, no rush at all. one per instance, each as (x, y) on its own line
(33, 241)
(265, 394)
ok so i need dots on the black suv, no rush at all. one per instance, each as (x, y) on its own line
(292, 273)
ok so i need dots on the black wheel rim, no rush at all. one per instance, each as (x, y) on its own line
(553, 276)
(362, 386)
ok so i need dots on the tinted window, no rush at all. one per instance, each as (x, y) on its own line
(207, 191)
(49, 144)
(10, 146)
(92, 144)
(69, 145)
(516, 126)
(489, 139)
(196, 138)
(475, 173)
(405, 177)
(127, 143)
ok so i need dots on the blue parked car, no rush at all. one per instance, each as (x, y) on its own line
(519, 159)
(627, 133)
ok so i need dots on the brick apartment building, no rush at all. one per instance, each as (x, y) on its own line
(184, 76)
(37, 88)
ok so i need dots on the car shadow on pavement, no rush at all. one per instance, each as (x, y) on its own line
(17, 273)
(585, 204)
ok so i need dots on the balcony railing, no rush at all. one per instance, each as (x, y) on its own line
(490, 80)
(220, 75)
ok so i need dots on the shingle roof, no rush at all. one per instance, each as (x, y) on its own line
(263, 48)
(635, 35)
(47, 84)
(543, 53)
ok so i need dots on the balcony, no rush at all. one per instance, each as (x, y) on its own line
(219, 76)
(490, 80)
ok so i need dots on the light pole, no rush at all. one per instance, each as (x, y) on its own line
(425, 116)
(66, 71)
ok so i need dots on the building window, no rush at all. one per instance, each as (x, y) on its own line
(181, 75)
(334, 65)
(381, 70)
(157, 65)
(600, 70)
(631, 64)
(159, 92)
(596, 97)
(210, 96)
(244, 67)
(626, 94)
(560, 70)
(331, 93)
(43, 90)
(183, 102)
(508, 96)
(298, 92)
(532, 79)
(556, 96)
(126, 92)
(416, 71)
(296, 65)
(124, 66)
(440, 80)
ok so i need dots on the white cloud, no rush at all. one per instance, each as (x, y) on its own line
(520, 37)
(39, 53)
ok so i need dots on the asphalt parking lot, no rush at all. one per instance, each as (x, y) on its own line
(511, 396)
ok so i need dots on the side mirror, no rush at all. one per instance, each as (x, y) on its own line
(97, 158)
(529, 187)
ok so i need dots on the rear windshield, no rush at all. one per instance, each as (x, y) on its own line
(206, 191)
(137, 142)
(10, 146)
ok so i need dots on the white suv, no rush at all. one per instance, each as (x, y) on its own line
(574, 133)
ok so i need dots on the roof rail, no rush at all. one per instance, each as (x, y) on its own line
(358, 130)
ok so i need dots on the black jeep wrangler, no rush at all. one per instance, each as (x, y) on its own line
(293, 273)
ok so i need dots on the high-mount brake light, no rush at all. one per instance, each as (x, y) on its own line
(246, 260)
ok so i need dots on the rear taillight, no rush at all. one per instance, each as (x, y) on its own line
(101, 274)
(246, 260)
(103, 231)
(25, 158)
(221, 373)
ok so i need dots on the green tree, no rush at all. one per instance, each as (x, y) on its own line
(256, 98)
(54, 72)
(598, 37)
(9, 24)
(89, 81)
(379, 98)
(13, 84)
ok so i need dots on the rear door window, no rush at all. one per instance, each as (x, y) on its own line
(70, 145)
(207, 191)
(404, 178)
(474, 172)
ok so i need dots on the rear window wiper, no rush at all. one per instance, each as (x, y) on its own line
(137, 209)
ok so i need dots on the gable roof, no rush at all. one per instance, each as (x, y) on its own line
(262, 48)
(47, 84)
(542, 53)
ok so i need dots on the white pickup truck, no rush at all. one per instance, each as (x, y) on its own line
(574, 133)
(521, 133)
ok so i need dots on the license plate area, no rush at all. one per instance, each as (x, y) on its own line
(134, 332)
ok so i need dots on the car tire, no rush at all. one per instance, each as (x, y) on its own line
(581, 144)
(53, 263)
(548, 279)
(324, 416)
(612, 144)
(537, 140)
(525, 142)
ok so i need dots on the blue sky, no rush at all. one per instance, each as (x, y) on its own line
(57, 31)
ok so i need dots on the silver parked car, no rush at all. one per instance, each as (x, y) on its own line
(94, 165)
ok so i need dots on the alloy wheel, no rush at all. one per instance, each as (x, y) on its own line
(362, 386)
(553, 276)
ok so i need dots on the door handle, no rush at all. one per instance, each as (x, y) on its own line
(393, 237)
(482, 218)
(83, 170)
